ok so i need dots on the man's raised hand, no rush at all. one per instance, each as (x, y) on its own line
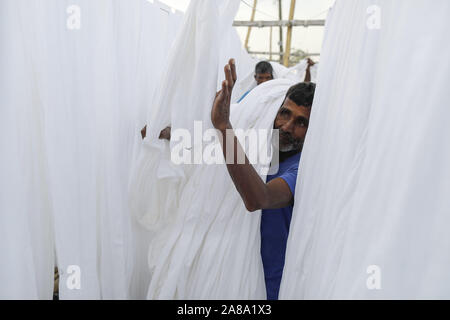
(220, 113)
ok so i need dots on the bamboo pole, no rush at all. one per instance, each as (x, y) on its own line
(270, 49)
(289, 35)
(279, 23)
(266, 53)
(280, 16)
(252, 18)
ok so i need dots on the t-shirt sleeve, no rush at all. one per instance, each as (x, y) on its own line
(290, 176)
(243, 96)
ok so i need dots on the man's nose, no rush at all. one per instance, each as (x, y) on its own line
(288, 126)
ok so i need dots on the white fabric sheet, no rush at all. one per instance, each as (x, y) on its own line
(372, 204)
(295, 73)
(73, 102)
(26, 234)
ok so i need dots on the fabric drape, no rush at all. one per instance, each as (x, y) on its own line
(371, 205)
(74, 97)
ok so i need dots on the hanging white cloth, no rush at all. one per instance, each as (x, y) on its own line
(26, 236)
(73, 96)
(372, 206)
(295, 73)
(206, 244)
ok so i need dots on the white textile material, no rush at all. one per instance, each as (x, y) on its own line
(73, 99)
(372, 201)
(26, 237)
(295, 73)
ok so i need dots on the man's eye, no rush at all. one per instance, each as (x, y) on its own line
(301, 123)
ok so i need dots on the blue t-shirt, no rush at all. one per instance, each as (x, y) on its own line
(275, 229)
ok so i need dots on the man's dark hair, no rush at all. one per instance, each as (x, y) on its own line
(263, 67)
(302, 94)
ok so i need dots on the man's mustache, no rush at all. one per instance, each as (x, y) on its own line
(289, 141)
(287, 136)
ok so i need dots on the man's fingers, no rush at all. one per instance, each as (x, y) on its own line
(232, 64)
(225, 87)
(221, 94)
(228, 76)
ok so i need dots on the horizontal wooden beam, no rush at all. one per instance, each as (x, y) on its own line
(278, 53)
(280, 23)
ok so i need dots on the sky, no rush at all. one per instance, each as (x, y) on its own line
(307, 39)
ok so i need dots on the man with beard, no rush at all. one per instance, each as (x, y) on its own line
(276, 196)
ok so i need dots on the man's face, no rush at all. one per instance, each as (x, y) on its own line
(292, 122)
(263, 77)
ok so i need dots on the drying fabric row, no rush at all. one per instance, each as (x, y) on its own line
(372, 206)
(77, 80)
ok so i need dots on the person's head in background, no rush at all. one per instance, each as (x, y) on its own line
(263, 72)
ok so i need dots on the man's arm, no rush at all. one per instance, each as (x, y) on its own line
(308, 70)
(164, 134)
(255, 193)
